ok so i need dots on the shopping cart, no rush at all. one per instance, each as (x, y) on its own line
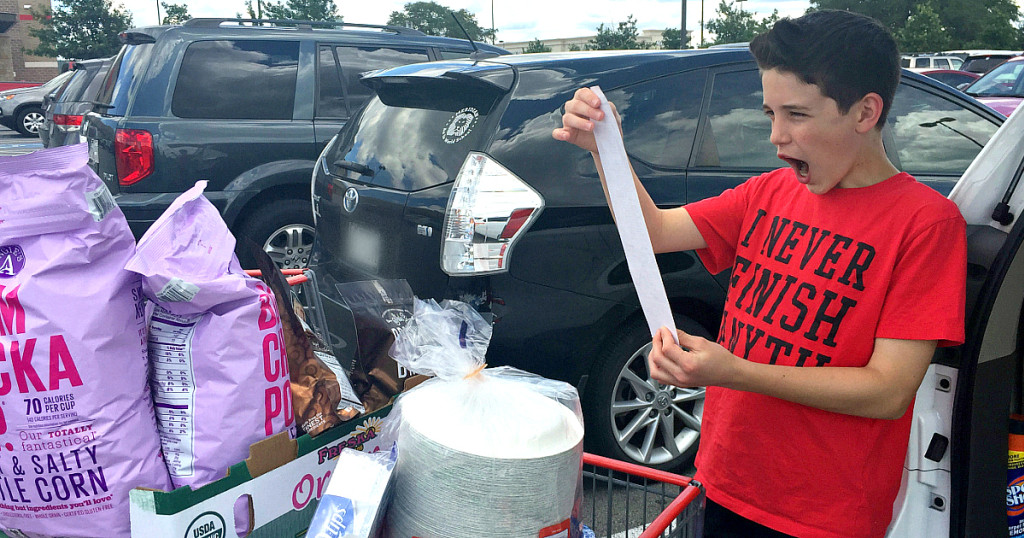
(624, 500)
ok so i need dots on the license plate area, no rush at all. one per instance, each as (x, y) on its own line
(363, 247)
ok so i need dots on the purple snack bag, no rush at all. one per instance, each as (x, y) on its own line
(77, 429)
(220, 372)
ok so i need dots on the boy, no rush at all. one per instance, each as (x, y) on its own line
(846, 275)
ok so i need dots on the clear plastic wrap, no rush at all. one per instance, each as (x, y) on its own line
(482, 452)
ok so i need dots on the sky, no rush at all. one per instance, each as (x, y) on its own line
(514, 20)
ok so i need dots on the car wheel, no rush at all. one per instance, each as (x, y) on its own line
(634, 418)
(284, 229)
(30, 120)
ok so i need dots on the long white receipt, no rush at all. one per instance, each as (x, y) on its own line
(629, 219)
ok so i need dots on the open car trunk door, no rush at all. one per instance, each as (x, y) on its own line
(956, 469)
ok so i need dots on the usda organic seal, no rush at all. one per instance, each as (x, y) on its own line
(460, 125)
(207, 525)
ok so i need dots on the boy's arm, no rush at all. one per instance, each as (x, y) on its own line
(883, 388)
(670, 229)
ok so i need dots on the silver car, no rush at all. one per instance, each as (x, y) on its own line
(21, 109)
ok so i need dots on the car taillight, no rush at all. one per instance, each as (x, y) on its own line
(488, 210)
(133, 153)
(67, 122)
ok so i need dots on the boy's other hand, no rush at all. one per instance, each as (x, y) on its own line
(694, 362)
(578, 120)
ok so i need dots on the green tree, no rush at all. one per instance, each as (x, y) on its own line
(80, 29)
(536, 46)
(174, 13)
(923, 31)
(434, 19)
(622, 38)
(670, 39)
(737, 26)
(891, 13)
(969, 24)
(303, 10)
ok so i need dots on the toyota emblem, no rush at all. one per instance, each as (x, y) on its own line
(351, 199)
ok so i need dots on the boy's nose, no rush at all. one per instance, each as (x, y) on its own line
(779, 135)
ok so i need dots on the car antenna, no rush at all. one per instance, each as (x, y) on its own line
(477, 53)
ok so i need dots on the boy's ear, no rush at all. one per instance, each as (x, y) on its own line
(868, 110)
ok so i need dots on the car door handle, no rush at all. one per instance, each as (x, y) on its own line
(360, 169)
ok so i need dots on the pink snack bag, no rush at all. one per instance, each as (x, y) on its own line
(77, 429)
(220, 371)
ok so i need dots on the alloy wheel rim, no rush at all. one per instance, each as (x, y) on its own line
(652, 423)
(33, 122)
(289, 246)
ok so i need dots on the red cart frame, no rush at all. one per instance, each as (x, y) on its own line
(670, 505)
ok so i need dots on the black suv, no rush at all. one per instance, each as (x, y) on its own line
(247, 107)
(449, 179)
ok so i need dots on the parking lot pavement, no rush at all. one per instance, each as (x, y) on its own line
(12, 143)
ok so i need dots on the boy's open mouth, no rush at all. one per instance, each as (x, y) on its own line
(797, 164)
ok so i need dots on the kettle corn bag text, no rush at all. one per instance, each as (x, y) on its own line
(77, 429)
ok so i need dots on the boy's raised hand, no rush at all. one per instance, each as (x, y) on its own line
(578, 120)
(694, 362)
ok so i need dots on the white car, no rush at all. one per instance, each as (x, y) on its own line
(921, 63)
(956, 467)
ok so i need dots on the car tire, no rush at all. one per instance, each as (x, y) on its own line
(633, 418)
(29, 121)
(282, 228)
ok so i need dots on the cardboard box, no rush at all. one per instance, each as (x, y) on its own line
(279, 485)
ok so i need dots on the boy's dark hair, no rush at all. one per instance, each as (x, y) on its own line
(847, 55)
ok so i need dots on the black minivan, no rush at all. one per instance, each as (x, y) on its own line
(449, 179)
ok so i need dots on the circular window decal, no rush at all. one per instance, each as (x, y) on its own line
(460, 125)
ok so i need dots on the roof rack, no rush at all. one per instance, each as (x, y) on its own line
(215, 22)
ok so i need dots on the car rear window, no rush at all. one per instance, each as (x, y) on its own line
(127, 67)
(409, 148)
(78, 83)
(212, 72)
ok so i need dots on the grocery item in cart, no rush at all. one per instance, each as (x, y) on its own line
(482, 452)
(356, 497)
(380, 309)
(322, 396)
(77, 430)
(220, 375)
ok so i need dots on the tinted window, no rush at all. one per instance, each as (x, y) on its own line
(659, 117)
(941, 63)
(341, 95)
(934, 135)
(128, 65)
(406, 147)
(1005, 80)
(78, 83)
(904, 62)
(455, 54)
(737, 132)
(237, 80)
(922, 62)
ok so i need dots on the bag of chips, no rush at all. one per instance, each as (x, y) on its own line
(77, 430)
(220, 374)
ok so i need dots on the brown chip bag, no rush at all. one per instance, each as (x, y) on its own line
(380, 308)
(322, 396)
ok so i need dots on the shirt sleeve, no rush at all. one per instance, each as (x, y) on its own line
(927, 293)
(719, 220)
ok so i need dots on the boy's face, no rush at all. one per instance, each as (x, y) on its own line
(811, 134)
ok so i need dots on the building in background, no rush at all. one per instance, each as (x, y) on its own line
(563, 44)
(15, 63)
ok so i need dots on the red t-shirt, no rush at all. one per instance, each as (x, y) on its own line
(815, 280)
